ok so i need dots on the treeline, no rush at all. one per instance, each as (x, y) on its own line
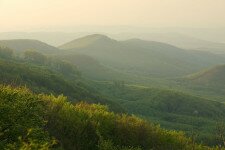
(30, 121)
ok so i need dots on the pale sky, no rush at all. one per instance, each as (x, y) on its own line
(28, 14)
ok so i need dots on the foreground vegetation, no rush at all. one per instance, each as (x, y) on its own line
(30, 121)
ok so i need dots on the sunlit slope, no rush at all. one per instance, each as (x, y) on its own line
(146, 58)
(213, 76)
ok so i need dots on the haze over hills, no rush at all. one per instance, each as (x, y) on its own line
(179, 38)
(21, 45)
(147, 58)
(52, 38)
(112, 75)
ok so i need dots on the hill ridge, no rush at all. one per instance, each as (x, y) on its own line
(21, 45)
(86, 40)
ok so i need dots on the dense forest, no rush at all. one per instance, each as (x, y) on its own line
(49, 122)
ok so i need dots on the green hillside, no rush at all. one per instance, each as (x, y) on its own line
(55, 123)
(172, 109)
(21, 45)
(42, 79)
(145, 58)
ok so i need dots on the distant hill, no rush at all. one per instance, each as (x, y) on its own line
(21, 45)
(179, 40)
(87, 41)
(212, 76)
(141, 57)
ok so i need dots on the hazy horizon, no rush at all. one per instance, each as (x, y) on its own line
(52, 15)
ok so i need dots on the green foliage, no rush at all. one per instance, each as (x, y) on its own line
(21, 119)
(29, 121)
(171, 109)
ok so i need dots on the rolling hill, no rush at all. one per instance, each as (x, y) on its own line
(144, 58)
(21, 45)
